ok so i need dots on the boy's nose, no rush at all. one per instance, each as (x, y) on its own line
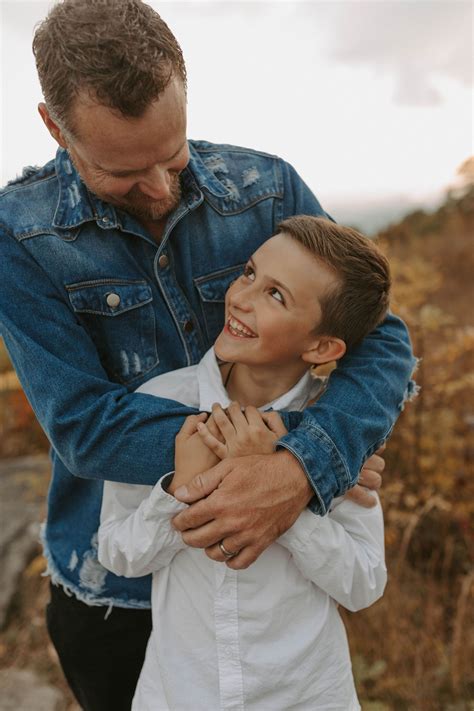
(242, 299)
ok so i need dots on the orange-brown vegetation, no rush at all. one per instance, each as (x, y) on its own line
(414, 649)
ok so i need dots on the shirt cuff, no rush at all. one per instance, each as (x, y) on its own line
(299, 535)
(322, 463)
(160, 503)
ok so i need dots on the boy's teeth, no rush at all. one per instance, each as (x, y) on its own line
(236, 326)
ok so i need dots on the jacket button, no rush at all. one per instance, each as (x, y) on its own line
(163, 261)
(188, 326)
(113, 300)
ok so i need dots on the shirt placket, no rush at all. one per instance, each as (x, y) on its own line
(226, 617)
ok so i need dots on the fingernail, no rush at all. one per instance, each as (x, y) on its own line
(181, 492)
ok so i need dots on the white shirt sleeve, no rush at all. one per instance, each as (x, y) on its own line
(135, 534)
(342, 553)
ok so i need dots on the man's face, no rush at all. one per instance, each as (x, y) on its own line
(273, 309)
(133, 163)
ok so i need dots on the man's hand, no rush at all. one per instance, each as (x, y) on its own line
(191, 454)
(245, 504)
(369, 478)
(242, 432)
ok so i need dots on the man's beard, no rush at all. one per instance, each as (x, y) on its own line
(144, 207)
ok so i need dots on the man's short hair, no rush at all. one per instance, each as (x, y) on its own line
(120, 51)
(360, 300)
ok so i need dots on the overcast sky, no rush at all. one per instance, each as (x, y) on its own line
(367, 99)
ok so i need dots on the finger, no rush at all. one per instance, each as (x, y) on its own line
(382, 448)
(190, 424)
(226, 428)
(210, 534)
(361, 496)
(274, 423)
(375, 463)
(215, 552)
(211, 442)
(202, 485)
(237, 417)
(244, 558)
(253, 416)
(213, 429)
(370, 479)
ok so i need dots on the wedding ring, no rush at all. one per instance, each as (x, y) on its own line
(225, 552)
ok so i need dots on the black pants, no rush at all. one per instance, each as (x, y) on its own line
(101, 658)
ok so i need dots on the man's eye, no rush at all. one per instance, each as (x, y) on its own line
(277, 295)
(249, 273)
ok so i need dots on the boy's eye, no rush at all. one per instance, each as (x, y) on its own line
(277, 295)
(249, 272)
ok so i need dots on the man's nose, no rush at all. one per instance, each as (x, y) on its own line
(156, 183)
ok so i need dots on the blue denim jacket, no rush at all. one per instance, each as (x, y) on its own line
(91, 307)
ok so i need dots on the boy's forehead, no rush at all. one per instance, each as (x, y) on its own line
(283, 258)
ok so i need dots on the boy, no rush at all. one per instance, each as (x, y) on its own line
(269, 637)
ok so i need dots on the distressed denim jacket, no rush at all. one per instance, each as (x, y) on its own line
(91, 307)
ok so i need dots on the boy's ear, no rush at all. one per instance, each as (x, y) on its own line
(51, 125)
(325, 350)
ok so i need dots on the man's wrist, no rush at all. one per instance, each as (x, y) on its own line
(300, 478)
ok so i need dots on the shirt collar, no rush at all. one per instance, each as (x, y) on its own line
(77, 204)
(211, 388)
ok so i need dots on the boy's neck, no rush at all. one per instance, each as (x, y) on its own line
(259, 385)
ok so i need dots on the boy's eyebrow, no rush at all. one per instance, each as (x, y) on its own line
(274, 281)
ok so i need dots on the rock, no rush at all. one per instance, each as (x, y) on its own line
(22, 690)
(22, 489)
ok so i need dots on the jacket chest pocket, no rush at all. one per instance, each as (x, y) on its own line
(119, 317)
(212, 289)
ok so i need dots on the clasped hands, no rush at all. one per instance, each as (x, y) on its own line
(242, 494)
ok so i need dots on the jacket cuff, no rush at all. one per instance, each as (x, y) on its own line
(322, 463)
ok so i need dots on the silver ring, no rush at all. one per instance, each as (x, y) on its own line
(225, 552)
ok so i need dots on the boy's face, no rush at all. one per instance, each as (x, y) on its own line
(272, 310)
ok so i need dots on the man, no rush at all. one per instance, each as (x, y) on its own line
(115, 258)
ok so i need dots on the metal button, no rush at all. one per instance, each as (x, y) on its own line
(163, 261)
(188, 326)
(105, 219)
(113, 300)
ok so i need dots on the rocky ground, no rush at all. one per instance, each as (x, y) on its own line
(30, 676)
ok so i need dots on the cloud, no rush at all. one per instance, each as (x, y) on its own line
(416, 41)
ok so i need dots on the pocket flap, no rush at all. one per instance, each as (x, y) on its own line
(108, 297)
(212, 287)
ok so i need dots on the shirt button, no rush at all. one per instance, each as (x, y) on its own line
(163, 261)
(188, 326)
(113, 300)
(228, 651)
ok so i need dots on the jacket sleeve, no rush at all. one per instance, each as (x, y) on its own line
(98, 429)
(342, 553)
(135, 533)
(364, 397)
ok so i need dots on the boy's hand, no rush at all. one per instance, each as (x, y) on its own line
(191, 454)
(369, 478)
(241, 433)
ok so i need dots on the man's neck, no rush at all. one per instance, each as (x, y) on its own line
(155, 228)
(260, 385)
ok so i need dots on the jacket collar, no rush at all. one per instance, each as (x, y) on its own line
(76, 204)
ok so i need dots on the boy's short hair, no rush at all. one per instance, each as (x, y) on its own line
(360, 301)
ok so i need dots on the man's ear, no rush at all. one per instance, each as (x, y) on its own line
(51, 125)
(324, 350)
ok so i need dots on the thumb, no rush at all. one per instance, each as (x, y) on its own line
(189, 426)
(203, 484)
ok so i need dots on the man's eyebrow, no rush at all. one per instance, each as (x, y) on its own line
(274, 281)
(130, 171)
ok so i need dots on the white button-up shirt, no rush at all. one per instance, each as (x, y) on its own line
(267, 638)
